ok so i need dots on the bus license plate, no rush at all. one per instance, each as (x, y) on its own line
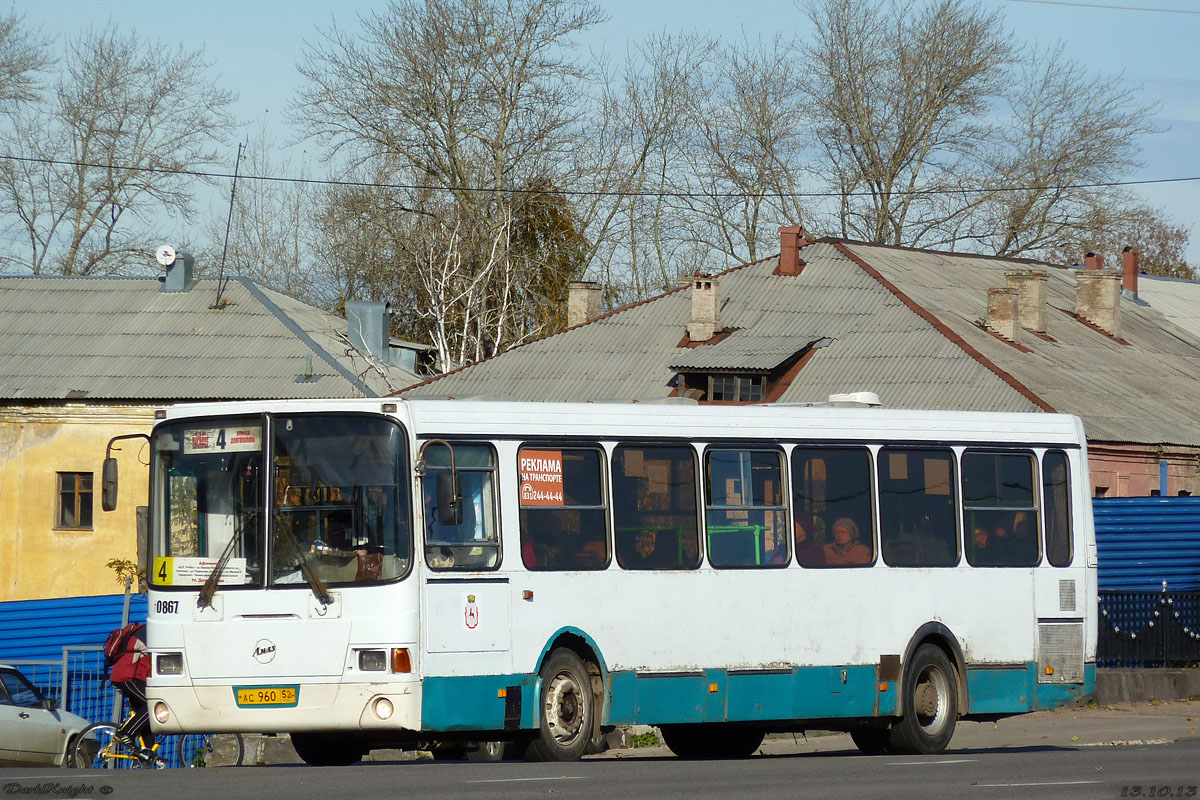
(266, 695)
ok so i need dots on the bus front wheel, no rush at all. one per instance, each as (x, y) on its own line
(930, 703)
(328, 749)
(568, 708)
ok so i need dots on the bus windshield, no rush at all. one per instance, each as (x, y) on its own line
(338, 509)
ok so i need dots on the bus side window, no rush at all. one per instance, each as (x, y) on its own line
(563, 510)
(832, 485)
(654, 508)
(474, 543)
(917, 517)
(745, 515)
(999, 509)
(1056, 491)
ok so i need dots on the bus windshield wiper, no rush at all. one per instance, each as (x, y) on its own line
(214, 578)
(319, 590)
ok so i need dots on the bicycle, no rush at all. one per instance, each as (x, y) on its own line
(97, 747)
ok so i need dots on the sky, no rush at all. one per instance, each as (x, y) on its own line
(255, 44)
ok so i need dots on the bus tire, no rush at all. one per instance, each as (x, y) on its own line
(487, 751)
(872, 740)
(328, 749)
(929, 699)
(711, 741)
(566, 717)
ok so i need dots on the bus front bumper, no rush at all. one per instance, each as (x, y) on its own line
(317, 707)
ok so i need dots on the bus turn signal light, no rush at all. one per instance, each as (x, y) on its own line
(400, 660)
(1049, 670)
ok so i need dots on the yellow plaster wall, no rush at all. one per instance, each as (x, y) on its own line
(36, 442)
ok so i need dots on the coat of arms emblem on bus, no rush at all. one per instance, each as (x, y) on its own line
(471, 613)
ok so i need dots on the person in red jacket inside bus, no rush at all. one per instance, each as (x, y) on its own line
(129, 667)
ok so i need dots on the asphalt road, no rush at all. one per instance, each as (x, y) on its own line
(1142, 751)
(1167, 770)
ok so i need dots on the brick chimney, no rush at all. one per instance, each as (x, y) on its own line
(1030, 286)
(1130, 259)
(791, 239)
(1098, 298)
(584, 302)
(1093, 261)
(1003, 317)
(706, 308)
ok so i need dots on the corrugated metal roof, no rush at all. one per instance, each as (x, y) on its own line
(877, 344)
(1082, 371)
(123, 339)
(1176, 299)
(939, 358)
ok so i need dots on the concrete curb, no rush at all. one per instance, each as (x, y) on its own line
(1143, 685)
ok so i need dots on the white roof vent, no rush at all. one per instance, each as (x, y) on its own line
(867, 399)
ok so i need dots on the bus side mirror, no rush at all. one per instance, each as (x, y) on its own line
(449, 498)
(108, 485)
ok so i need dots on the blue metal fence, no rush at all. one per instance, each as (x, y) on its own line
(1143, 541)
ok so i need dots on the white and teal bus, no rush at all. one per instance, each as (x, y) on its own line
(379, 574)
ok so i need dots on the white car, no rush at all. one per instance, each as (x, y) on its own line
(33, 730)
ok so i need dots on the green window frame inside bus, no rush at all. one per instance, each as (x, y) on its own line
(655, 515)
(745, 513)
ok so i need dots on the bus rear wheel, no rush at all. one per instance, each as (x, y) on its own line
(328, 749)
(930, 703)
(711, 741)
(568, 709)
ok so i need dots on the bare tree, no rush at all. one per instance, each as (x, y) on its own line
(1069, 132)
(470, 104)
(270, 225)
(1161, 242)
(23, 54)
(111, 147)
(899, 95)
(638, 239)
(743, 159)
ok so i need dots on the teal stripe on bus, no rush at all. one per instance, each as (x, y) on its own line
(715, 695)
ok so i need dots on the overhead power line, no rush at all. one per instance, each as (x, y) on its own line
(585, 192)
(1105, 5)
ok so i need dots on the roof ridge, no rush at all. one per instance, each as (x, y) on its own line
(256, 292)
(944, 330)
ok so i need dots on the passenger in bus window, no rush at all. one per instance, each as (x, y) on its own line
(808, 552)
(845, 547)
(650, 553)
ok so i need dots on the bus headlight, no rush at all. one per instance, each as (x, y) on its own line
(383, 708)
(372, 660)
(161, 713)
(170, 664)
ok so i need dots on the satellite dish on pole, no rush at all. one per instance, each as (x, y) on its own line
(165, 255)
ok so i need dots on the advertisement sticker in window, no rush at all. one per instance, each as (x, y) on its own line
(541, 477)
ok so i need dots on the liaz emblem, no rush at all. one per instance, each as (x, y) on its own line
(264, 651)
